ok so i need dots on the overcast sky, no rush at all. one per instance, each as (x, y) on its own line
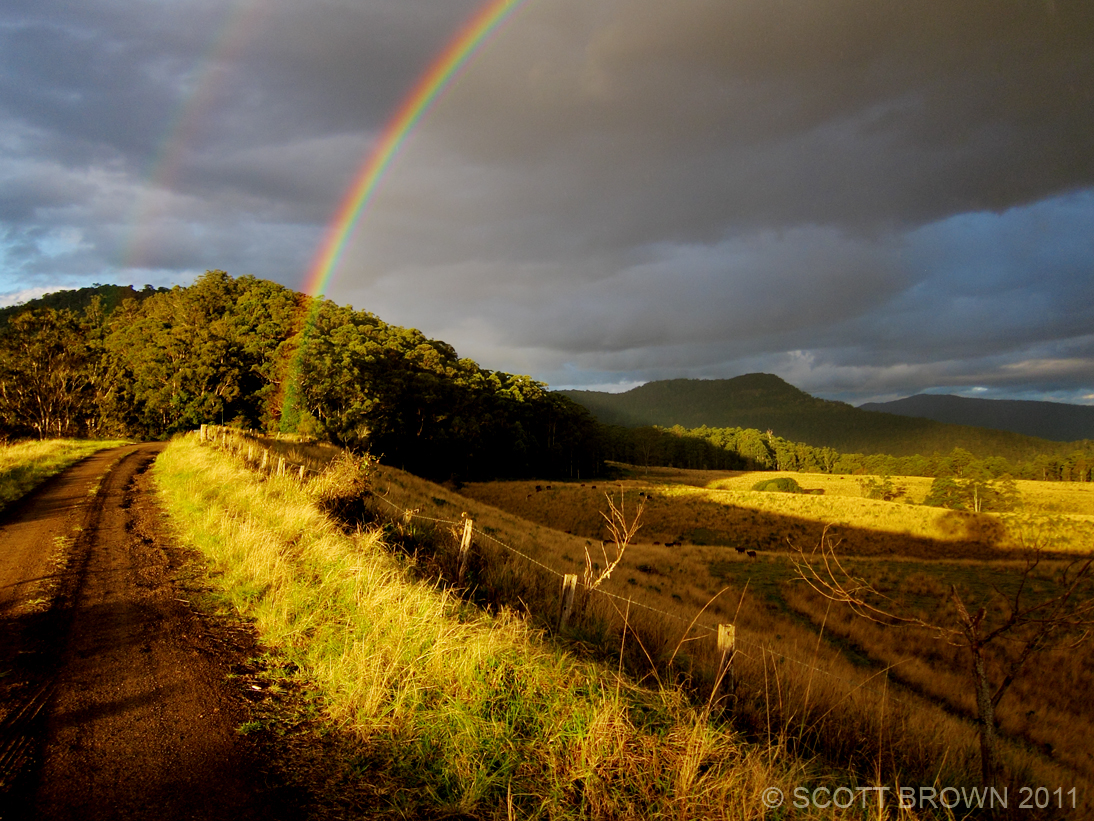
(869, 198)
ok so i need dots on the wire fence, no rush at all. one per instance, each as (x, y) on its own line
(232, 440)
(762, 649)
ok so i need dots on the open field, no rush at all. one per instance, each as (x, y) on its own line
(912, 552)
(24, 465)
(456, 711)
(811, 682)
(719, 508)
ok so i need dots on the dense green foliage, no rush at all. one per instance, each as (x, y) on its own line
(252, 353)
(977, 492)
(49, 362)
(780, 484)
(110, 297)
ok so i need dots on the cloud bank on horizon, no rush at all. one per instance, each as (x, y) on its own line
(868, 199)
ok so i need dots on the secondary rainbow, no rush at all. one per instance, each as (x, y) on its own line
(439, 75)
(184, 126)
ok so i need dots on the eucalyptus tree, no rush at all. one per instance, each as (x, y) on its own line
(49, 370)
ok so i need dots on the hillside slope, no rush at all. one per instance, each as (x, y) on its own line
(1055, 421)
(766, 402)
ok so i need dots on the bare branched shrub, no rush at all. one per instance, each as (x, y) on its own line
(622, 532)
(1007, 628)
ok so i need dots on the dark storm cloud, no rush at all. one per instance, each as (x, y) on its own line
(639, 189)
(869, 198)
(212, 134)
(117, 73)
(758, 113)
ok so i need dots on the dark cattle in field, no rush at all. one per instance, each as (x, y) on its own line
(752, 554)
(740, 550)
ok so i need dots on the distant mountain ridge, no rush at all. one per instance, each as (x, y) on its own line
(754, 400)
(766, 402)
(1055, 421)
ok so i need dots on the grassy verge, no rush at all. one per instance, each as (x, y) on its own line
(25, 465)
(457, 711)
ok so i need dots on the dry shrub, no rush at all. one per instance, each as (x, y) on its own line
(342, 491)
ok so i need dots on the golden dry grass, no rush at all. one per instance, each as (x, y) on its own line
(1045, 715)
(810, 681)
(24, 465)
(720, 508)
(1047, 708)
(793, 691)
(472, 714)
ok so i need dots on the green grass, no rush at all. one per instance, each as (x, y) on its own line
(25, 465)
(465, 712)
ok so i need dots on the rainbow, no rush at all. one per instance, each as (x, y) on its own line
(433, 82)
(439, 75)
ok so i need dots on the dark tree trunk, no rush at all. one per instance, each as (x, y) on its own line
(986, 717)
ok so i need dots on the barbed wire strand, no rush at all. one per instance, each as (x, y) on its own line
(855, 685)
(764, 649)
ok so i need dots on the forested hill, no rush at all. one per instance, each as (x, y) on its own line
(1056, 421)
(755, 400)
(258, 355)
(766, 402)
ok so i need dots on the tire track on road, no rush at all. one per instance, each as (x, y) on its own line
(115, 698)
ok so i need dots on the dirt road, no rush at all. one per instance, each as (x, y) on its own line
(114, 697)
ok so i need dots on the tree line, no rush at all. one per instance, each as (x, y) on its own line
(248, 352)
(252, 353)
(706, 448)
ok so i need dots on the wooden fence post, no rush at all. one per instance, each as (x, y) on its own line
(265, 460)
(281, 466)
(727, 647)
(465, 549)
(204, 434)
(301, 473)
(566, 605)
